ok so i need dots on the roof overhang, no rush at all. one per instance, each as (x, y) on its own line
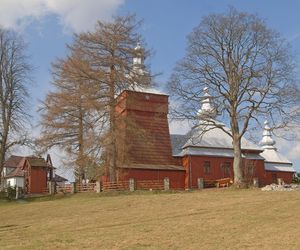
(13, 176)
(269, 166)
(200, 151)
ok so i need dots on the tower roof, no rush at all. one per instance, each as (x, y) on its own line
(274, 161)
(207, 110)
(267, 141)
(209, 134)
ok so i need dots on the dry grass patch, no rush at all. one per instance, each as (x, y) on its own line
(209, 219)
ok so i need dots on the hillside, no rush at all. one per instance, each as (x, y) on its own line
(209, 219)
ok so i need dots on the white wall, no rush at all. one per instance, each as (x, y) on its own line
(7, 171)
(15, 181)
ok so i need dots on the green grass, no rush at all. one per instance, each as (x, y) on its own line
(209, 219)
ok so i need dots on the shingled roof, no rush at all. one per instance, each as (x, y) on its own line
(177, 141)
(209, 136)
(13, 161)
(18, 172)
(153, 167)
(37, 162)
(58, 178)
(146, 138)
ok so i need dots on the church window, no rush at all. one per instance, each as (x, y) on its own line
(274, 178)
(207, 167)
(226, 169)
(250, 169)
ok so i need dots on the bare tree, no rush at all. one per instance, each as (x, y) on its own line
(108, 61)
(14, 78)
(247, 67)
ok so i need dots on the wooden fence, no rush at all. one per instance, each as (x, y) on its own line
(67, 188)
(150, 185)
(115, 186)
(89, 187)
(76, 188)
(132, 185)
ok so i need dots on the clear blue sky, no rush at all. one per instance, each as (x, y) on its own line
(48, 25)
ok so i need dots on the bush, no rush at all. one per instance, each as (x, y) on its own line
(11, 192)
(296, 178)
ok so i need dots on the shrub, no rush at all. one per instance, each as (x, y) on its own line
(296, 178)
(11, 192)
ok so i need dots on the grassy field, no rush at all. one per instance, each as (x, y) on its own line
(209, 219)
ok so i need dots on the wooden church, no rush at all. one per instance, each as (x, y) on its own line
(147, 151)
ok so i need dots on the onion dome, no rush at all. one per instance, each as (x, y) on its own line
(207, 110)
(138, 60)
(274, 161)
(267, 141)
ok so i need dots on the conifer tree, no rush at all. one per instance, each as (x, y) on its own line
(108, 61)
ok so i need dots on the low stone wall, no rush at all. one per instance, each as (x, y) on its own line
(284, 187)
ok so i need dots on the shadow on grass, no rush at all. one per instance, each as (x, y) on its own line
(61, 196)
(40, 198)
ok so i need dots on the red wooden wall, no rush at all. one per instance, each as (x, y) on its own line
(35, 179)
(286, 176)
(38, 180)
(145, 138)
(194, 166)
(176, 177)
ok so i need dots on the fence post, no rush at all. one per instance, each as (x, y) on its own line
(51, 187)
(255, 182)
(166, 183)
(73, 189)
(131, 184)
(17, 192)
(280, 181)
(200, 182)
(98, 187)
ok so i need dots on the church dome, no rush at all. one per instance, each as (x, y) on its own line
(274, 161)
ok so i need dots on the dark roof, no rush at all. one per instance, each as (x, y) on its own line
(13, 161)
(37, 162)
(18, 172)
(177, 141)
(153, 167)
(58, 178)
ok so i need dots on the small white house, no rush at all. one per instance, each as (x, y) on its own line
(12, 171)
(14, 175)
(15, 181)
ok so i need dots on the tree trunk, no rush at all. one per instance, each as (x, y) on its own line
(80, 158)
(113, 150)
(237, 150)
(2, 159)
(237, 162)
(3, 148)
